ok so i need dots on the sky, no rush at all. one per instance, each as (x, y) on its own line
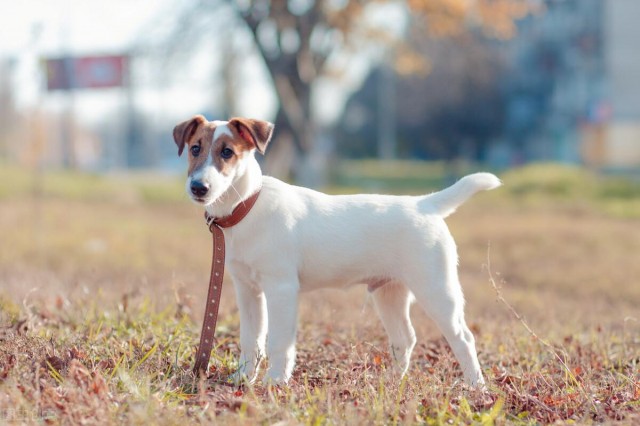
(83, 25)
(33, 29)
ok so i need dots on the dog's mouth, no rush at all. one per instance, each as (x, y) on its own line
(203, 201)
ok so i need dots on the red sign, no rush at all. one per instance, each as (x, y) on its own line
(87, 72)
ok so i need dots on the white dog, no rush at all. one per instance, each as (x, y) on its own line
(295, 239)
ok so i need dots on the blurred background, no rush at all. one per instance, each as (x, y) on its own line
(103, 257)
(399, 96)
(98, 86)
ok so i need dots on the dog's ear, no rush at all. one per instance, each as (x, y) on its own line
(256, 132)
(184, 131)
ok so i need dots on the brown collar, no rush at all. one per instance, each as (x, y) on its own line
(215, 281)
(236, 215)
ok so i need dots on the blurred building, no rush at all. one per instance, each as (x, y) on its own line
(555, 84)
(566, 88)
(572, 90)
(615, 143)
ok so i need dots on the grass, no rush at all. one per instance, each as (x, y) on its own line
(102, 278)
(16, 182)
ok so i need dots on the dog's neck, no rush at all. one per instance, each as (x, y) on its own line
(245, 184)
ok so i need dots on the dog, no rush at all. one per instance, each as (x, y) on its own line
(295, 239)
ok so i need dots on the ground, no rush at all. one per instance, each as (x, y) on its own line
(102, 281)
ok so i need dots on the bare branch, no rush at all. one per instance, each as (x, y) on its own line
(533, 334)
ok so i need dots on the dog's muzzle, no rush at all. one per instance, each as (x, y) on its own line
(199, 189)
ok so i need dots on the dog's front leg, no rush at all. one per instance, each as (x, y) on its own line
(253, 331)
(282, 310)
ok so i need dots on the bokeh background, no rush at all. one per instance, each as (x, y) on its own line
(98, 87)
(104, 261)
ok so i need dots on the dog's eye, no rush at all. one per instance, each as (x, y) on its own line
(195, 150)
(226, 153)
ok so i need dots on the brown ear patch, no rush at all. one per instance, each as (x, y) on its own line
(257, 132)
(184, 131)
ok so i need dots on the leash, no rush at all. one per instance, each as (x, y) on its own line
(215, 280)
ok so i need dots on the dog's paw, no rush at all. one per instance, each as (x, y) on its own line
(243, 376)
(247, 371)
(480, 385)
(277, 380)
(240, 378)
(399, 369)
(394, 374)
(476, 381)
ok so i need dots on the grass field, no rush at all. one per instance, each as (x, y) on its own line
(101, 283)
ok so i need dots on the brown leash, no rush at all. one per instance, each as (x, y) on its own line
(215, 282)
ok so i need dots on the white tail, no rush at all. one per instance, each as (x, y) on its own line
(446, 202)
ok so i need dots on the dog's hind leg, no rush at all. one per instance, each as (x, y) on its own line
(441, 298)
(392, 302)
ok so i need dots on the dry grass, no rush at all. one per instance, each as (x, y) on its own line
(100, 313)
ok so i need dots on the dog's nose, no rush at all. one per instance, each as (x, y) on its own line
(199, 189)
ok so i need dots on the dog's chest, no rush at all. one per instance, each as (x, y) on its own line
(242, 273)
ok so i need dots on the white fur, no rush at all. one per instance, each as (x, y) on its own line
(295, 239)
(221, 129)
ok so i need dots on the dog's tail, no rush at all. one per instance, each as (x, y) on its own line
(446, 202)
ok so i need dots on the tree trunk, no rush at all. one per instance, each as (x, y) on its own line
(292, 73)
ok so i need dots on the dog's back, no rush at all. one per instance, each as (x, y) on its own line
(338, 241)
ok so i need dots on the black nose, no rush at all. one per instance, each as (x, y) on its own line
(199, 189)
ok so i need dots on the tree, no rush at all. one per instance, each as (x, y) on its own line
(292, 39)
(301, 41)
(452, 112)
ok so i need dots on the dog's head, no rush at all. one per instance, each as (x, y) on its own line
(219, 152)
